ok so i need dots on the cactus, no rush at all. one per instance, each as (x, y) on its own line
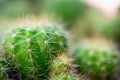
(68, 10)
(29, 49)
(3, 66)
(97, 57)
(61, 68)
(2, 75)
(3, 69)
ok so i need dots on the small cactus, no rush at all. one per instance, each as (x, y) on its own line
(29, 49)
(61, 68)
(97, 57)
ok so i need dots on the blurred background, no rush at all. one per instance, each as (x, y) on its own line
(81, 18)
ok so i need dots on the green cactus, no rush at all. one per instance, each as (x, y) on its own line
(64, 76)
(29, 49)
(97, 57)
(3, 69)
(61, 68)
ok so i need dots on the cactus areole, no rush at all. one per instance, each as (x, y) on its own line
(29, 49)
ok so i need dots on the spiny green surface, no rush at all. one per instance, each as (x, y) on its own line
(3, 69)
(30, 49)
(64, 76)
(2, 75)
(98, 59)
(61, 68)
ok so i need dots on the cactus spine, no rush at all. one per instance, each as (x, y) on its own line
(61, 68)
(30, 49)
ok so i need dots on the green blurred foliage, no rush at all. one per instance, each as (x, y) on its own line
(18, 8)
(94, 23)
(91, 22)
(68, 10)
(103, 26)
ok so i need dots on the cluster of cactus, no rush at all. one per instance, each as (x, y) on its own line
(96, 57)
(62, 68)
(39, 53)
(30, 49)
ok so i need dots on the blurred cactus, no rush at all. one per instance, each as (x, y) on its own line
(68, 10)
(97, 57)
(30, 49)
